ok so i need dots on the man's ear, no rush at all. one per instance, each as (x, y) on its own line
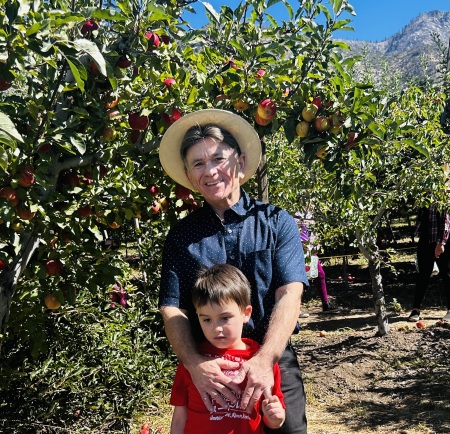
(241, 163)
(247, 313)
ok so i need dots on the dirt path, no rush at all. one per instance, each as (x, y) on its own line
(358, 383)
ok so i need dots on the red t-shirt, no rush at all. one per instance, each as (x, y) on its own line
(230, 420)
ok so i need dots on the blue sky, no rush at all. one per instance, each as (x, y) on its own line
(375, 20)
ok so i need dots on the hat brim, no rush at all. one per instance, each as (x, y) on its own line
(242, 131)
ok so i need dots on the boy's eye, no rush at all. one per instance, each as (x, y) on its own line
(206, 320)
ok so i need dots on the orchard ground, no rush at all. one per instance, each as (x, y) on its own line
(357, 382)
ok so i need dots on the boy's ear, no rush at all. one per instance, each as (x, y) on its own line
(247, 313)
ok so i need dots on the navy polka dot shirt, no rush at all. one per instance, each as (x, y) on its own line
(258, 238)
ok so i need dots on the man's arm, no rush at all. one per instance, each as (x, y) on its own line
(206, 373)
(259, 369)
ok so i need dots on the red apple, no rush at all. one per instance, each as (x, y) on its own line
(53, 267)
(72, 178)
(351, 140)
(321, 124)
(153, 40)
(335, 124)
(89, 26)
(84, 211)
(25, 213)
(183, 193)
(138, 121)
(46, 147)
(153, 189)
(2, 265)
(309, 112)
(134, 136)
(420, 324)
(52, 302)
(165, 39)
(317, 101)
(266, 109)
(260, 73)
(4, 85)
(123, 62)
(170, 81)
(240, 105)
(176, 114)
(10, 194)
(26, 177)
(302, 129)
(260, 121)
(155, 207)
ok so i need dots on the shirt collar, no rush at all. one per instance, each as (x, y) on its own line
(240, 208)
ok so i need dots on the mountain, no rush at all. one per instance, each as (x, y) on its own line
(406, 52)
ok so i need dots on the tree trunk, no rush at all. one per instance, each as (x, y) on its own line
(263, 184)
(378, 297)
(10, 276)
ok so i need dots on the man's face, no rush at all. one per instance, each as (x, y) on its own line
(214, 170)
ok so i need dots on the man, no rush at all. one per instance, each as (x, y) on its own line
(214, 152)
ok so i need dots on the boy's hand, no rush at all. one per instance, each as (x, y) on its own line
(274, 413)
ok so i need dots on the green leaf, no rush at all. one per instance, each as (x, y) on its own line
(78, 144)
(77, 73)
(211, 11)
(377, 129)
(3, 157)
(417, 146)
(108, 14)
(89, 47)
(192, 96)
(337, 5)
(9, 128)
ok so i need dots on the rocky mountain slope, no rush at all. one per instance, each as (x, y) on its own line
(414, 52)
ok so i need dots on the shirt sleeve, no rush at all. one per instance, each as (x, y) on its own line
(169, 292)
(444, 230)
(289, 260)
(179, 393)
(277, 384)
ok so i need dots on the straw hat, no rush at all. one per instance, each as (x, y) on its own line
(242, 131)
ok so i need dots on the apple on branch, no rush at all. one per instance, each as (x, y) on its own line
(10, 194)
(321, 124)
(309, 112)
(266, 109)
(138, 121)
(302, 129)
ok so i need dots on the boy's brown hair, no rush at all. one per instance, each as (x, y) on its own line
(220, 284)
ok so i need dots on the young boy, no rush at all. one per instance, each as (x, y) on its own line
(221, 296)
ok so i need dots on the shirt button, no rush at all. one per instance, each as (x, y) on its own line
(229, 231)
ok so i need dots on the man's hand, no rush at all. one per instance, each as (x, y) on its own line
(259, 373)
(273, 411)
(212, 383)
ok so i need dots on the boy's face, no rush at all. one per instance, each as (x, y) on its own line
(222, 324)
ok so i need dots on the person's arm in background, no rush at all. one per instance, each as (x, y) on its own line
(443, 233)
